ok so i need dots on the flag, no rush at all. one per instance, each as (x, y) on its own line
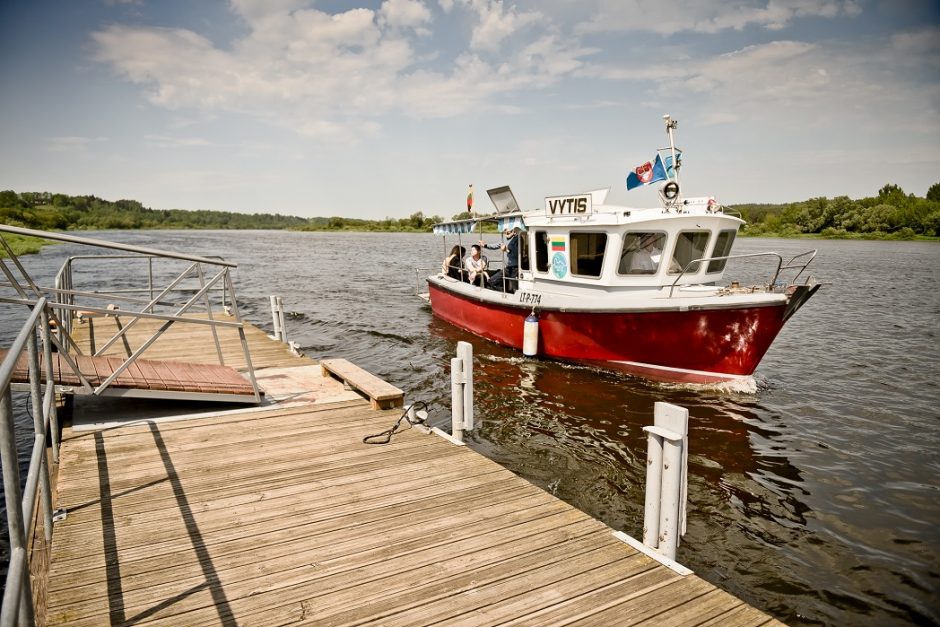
(470, 199)
(670, 170)
(649, 172)
(558, 243)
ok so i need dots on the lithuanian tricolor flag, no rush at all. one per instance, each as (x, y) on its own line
(558, 243)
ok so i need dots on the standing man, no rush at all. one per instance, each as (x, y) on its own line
(511, 248)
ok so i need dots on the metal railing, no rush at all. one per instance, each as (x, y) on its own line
(186, 298)
(17, 597)
(781, 267)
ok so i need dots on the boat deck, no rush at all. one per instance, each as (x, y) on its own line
(281, 515)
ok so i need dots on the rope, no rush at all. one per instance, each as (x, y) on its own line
(387, 435)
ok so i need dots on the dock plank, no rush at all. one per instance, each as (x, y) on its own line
(283, 515)
(338, 532)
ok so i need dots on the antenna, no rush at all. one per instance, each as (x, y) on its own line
(671, 125)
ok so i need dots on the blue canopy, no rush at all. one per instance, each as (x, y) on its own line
(509, 221)
(460, 226)
(512, 222)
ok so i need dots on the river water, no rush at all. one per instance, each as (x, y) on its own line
(814, 491)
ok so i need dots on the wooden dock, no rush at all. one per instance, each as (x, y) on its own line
(281, 515)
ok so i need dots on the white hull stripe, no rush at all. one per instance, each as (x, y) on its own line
(702, 373)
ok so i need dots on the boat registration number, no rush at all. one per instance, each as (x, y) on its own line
(528, 298)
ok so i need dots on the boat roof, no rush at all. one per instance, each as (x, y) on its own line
(560, 211)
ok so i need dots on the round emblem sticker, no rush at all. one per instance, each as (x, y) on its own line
(559, 265)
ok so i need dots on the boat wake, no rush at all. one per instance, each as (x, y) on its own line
(745, 385)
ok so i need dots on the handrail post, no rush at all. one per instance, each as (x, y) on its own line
(215, 331)
(22, 598)
(229, 285)
(150, 280)
(50, 383)
(39, 431)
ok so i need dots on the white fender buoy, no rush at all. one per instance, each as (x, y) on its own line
(530, 336)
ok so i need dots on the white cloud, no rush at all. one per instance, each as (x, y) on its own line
(847, 90)
(335, 76)
(668, 17)
(339, 76)
(920, 48)
(497, 23)
(166, 141)
(72, 143)
(252, 10)
(406, 14)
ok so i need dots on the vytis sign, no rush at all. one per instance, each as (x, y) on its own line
(568, 205)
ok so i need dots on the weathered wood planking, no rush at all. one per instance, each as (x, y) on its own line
(382, 394)
(285, 516)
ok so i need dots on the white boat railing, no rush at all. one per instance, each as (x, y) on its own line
(186, 298)
(792, 264)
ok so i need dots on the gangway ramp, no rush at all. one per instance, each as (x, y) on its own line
(143, 378)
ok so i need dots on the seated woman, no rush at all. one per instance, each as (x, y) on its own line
(452, 264)
(476, 267)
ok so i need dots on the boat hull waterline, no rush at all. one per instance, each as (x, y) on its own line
(703, 345)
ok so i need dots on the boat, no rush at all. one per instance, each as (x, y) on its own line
(637, 290)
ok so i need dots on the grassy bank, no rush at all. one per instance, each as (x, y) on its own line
(23, 245)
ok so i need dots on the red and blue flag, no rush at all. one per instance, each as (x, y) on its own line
(649, 172)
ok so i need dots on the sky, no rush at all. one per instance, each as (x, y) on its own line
(374, 109)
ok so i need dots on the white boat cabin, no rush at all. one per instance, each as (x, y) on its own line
(575, 245)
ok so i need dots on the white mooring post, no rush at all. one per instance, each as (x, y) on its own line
(280, 318)
(276, 318)
(461, 390)
(456, 398)
(666, 478)
(465, 353)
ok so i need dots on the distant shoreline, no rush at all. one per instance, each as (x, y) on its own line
(891, 215)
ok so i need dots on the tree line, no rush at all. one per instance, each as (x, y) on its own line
(890, 214)
(61, 212)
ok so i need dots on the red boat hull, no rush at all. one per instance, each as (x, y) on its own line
(696, 346)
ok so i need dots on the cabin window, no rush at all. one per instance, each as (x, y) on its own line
(587, 253)
(642, 252)
(689, 245)
(722, 249)
(541, 251)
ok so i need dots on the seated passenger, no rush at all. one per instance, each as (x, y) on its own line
(476, 267)
(452, 264)
(642, 261)
(642, 254)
